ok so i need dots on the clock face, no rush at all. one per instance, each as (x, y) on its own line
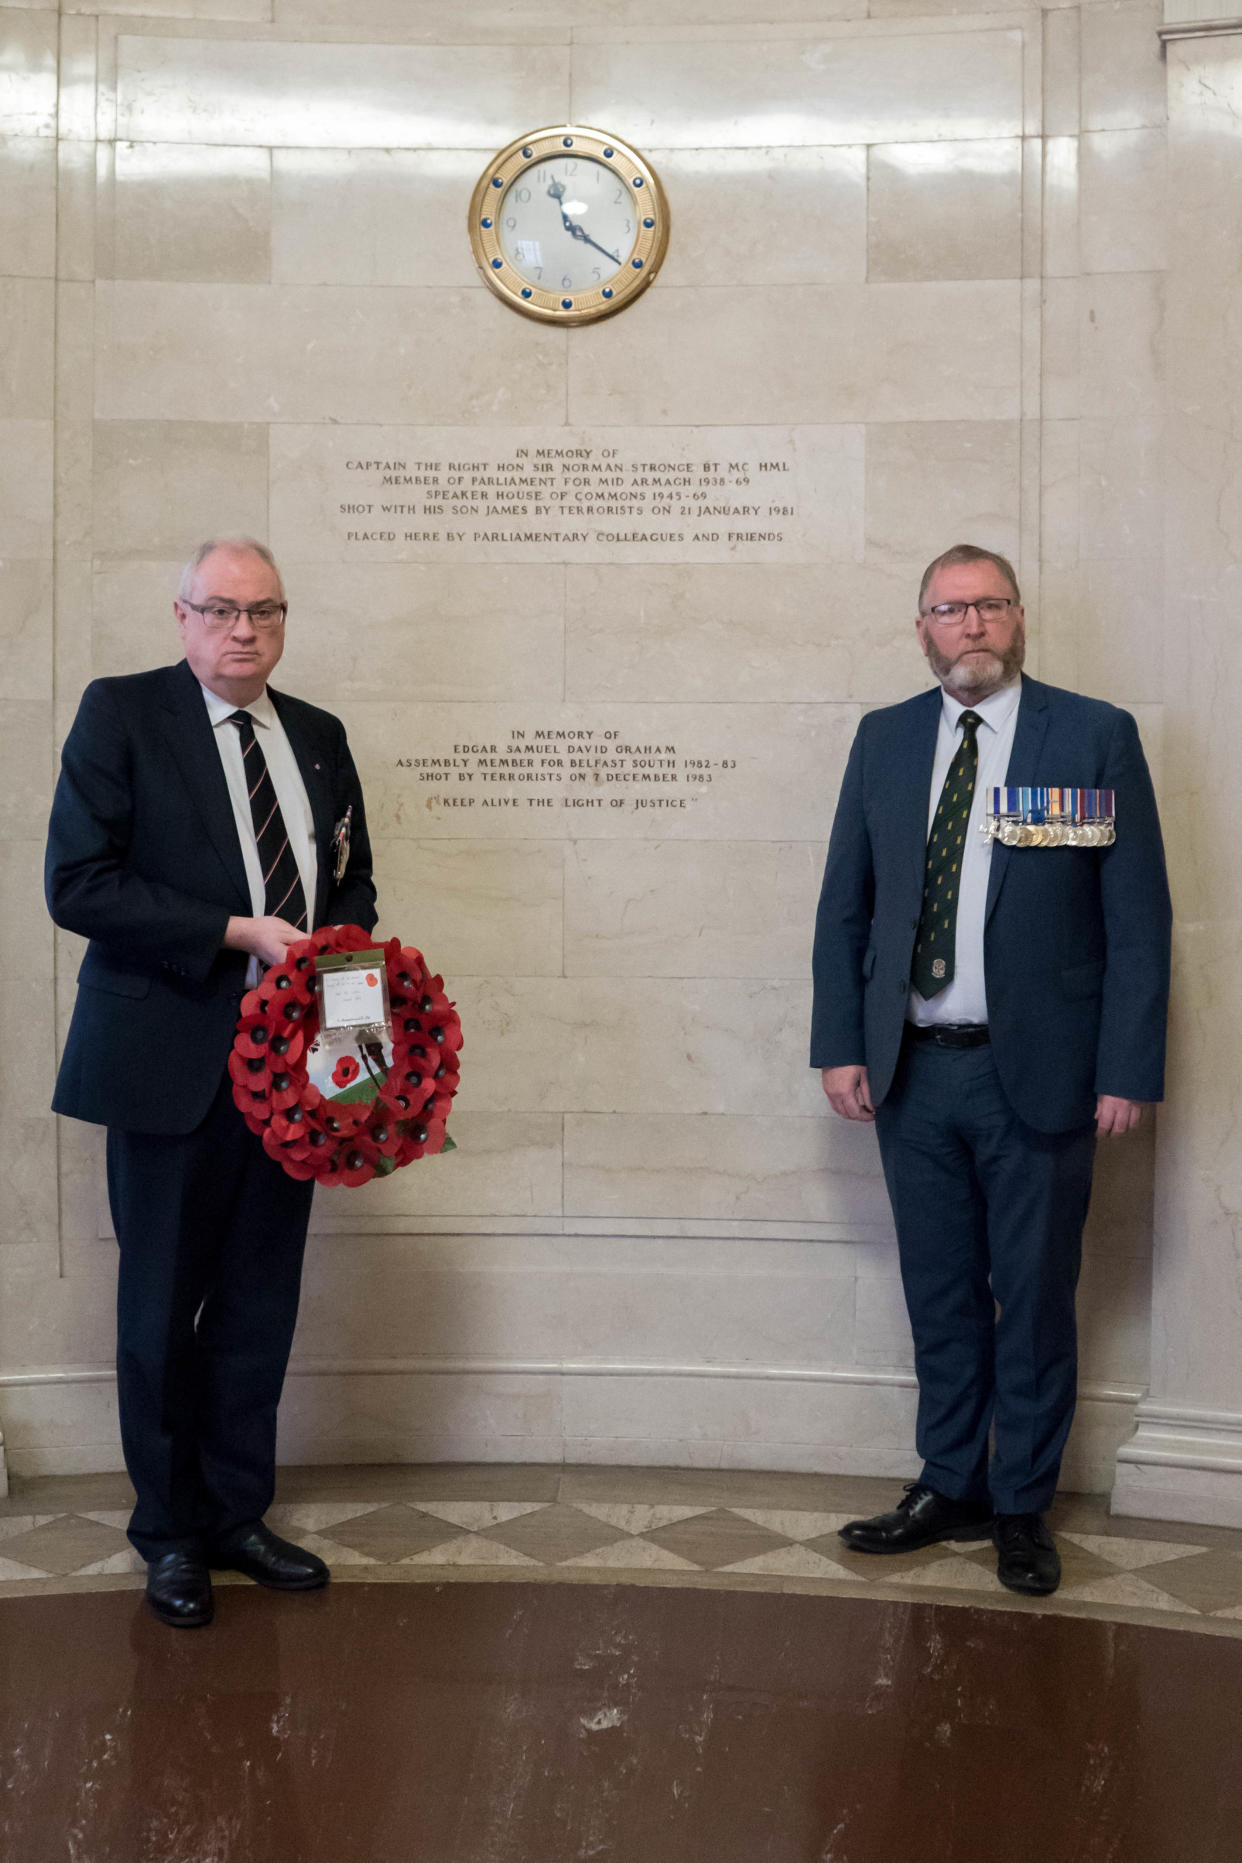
(568, 224)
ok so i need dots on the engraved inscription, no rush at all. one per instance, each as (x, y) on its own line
(748, 494)
(566, 769)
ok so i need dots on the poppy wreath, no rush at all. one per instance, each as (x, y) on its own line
(335, 1143)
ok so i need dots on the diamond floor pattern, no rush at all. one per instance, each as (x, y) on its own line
(658, 1526)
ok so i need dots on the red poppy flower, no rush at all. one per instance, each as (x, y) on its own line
(284, 1047)
(415, 1146)
(351, 938)
(291, 1126)
(253, 1034)
(288, 986)
(285, 1089)
(436, 1106)
(449, 1024)
(247, 1070)
(386, 1136)
(358, 1162)
(346, 1069)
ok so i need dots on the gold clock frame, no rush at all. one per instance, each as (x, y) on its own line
(565, 307)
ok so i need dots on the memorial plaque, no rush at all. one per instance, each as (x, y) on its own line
(566, 495)
(694, 772)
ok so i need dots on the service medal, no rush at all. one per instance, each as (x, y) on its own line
(340, 844)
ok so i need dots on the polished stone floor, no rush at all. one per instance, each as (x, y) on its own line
(528, 1722)
(592, 1665)
(654, 1526)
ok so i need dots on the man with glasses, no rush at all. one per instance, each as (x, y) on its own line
(992, 1009)
(202, 823)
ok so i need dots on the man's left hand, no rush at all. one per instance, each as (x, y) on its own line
(1113, 1115)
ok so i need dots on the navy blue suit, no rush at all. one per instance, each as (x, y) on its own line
(143, 858)
(987, 1153)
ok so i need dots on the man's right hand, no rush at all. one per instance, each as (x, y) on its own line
(266, 939)
(848, 1092)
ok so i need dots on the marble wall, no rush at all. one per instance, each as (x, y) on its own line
(919, 254)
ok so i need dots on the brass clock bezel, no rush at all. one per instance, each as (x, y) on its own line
(565, 307)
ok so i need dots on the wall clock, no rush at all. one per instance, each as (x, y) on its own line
(568, 224)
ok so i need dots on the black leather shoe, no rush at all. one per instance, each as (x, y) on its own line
(263, 1556)
(179, 1589)
(920, 1519)
(1027, 1556)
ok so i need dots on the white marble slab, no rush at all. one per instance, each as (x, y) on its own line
(775, 1169)
(28, 72)
(659, 1046)
(861, 88)
(286, 95)
(759, 353)
(253, 352)
(699, 908)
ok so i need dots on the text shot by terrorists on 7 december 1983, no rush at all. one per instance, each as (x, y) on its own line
(627, 495)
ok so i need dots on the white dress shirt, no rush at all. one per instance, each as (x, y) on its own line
(965, 999)
(290, 793)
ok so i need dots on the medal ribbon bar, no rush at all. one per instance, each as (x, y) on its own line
(1050, 816)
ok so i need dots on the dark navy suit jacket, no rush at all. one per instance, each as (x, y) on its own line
(1076, 940)
(143, 858)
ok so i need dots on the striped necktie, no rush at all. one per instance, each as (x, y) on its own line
(936, 947)
(283, 894)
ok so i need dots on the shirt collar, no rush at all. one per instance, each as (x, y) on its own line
(219, 710)
(996, 710)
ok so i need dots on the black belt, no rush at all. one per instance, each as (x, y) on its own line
(949, 1034)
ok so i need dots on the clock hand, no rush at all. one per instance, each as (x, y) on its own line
(557, 190)
(594, 242)
(581, 233)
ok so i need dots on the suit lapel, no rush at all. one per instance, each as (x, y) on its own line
(1028, 740)
(911, 780)
(308, 753)
(191, 742)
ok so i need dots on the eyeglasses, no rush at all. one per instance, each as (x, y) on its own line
(219, 616)
(991, 608)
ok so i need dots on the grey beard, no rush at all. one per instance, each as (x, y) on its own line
(979, 676)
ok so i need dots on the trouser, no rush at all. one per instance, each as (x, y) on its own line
(989, 1216)
(211, 1235)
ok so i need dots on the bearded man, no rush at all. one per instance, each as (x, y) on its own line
(993, 1009)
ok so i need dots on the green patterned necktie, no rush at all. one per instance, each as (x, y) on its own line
(934, 950)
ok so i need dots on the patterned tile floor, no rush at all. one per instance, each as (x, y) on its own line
(648, 1526)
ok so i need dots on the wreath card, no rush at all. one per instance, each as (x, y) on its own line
(350, 1056)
